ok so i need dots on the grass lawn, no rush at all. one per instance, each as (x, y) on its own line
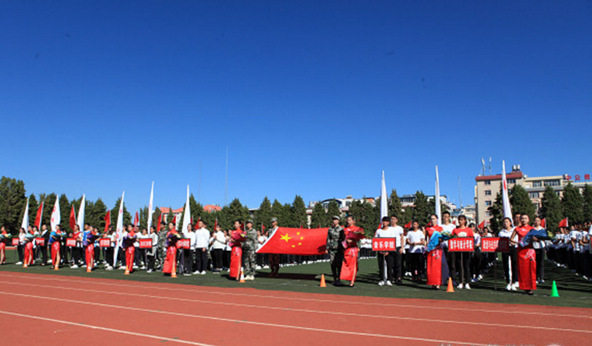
(573, 290)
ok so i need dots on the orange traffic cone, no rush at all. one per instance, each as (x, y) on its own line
(450, 288)
(89, 269)
(127, 272)
(25, 265)
(242, 276)
(174, 272)
(323, 284)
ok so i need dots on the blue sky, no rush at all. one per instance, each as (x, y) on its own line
(310, 98)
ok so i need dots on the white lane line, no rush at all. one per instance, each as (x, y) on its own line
(160, 338)
(267, 297)
(285, 309)
(269, 325)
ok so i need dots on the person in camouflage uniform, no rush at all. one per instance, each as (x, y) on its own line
(249, 247)
(335, 238)
(161, 248)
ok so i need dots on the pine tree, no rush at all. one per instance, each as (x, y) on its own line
(551, 209)
(65, 209)
(236, 211)
(127, 217)
(497, 213)
(299, 212)
(573, 202)
(395, 206)
(520, 202)
(263, 215)
(587, 208)
(33, 205)
(95, 215)
(422, 211)
(407, 216)
(333, 210)
(319, 216)
(48, 204)
(277, 210)
(12, 203)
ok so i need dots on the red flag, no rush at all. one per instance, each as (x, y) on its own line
(107, 220)
(136, 220)
(481, 225)
(242, 226)
(159, 222)
(544, 223)
(38, 217)
(175, 220)
(296, 241)
(262, 227)
(72, 218)
(563, 223)
(409, 224)
(454, 222)
(216, 224)
(197, 223)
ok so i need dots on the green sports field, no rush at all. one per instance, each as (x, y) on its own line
(573, 290)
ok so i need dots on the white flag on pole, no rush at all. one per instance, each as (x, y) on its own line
(186, 214)
(119, 230)
(437, 197)
(80, 220)
(505, 198)
(55, 215)
(150, 210)
(383, 199)
(25, 223)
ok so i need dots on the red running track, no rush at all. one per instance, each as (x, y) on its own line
(36, 308)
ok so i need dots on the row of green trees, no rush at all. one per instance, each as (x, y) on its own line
(574, 205)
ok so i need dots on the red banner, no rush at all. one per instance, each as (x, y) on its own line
(15, 241)
(105, 242)
(40, 241)
(71, 242)
(183, 244)
(384, 244)
(146, 243)
(495, 244)
(461, 245)
(296, 241)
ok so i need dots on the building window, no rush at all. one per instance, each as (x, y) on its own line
(488, 203)
(487, 192)
(488, 213)
(511, 181)
(487, 182)
(551, 182)
(537, 184)
(533, 194)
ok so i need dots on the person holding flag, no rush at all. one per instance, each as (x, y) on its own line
(274, 258)
(249, 247)
(128, 245)
(526, 257)
(353, 234)
(55, 238)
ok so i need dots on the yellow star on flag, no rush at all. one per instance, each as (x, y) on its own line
(286, 237)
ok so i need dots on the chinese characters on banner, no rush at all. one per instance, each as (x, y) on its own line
(461, 245)
(384, 244)
(495, 244)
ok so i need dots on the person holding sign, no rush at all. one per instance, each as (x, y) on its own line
(386, 259)
(526, 257)
(462, 231)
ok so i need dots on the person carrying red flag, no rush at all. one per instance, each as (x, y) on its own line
(170, 262)
(526, 256)
(237, 237)
(353, 234)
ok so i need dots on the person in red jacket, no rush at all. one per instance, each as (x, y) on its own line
(526, 257)
(353, 234)
(463, 231)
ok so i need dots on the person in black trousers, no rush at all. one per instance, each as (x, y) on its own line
(43, 248)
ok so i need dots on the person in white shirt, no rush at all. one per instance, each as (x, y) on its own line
(151, 253)
(386, 259)
(416, 241)
(187, 254)
(217, 245)
(261, 258)
(507, 262)
(400, 245)
(201, 248)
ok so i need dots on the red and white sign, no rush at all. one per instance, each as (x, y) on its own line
(183, 244)
(461, 245)
(384, 244)
(105, 242)
(146, 243)
(495, 244)
(40, 241)
(15, 241)
(71, 242)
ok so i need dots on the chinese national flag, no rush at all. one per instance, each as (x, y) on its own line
(107, 220)
(409, 224)
(563, 223)
(544, 223)
(481, 225)
(72, 218)
(296, 241)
